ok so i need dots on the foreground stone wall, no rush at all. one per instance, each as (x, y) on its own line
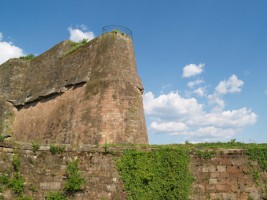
(227, 176)
(44, 172)
(90, 96)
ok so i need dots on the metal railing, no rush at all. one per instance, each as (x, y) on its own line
(117, 29)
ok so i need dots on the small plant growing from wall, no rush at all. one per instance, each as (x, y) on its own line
(116, 31)
(74, 180)
(55, 196)
(207, 154)
(35, 147)
(75, 46)
(15, 181)
(28, 57)
(16, 162)
(54, 149)
(2, 138)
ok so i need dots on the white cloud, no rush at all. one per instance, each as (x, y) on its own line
(192, 84)
(200, 91)
(76, 35)
(192, 70)
(170, 105)
(8, 50)
(175, 115)
(232, 85)
(216, 101)
(228, 118)
(212, 133)
(169, 127)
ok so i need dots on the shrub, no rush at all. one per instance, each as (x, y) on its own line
(4, 179)
(2, 138)
(205, 154)
(28, 57)
(116, 31)
(258, 154)
(16, 183)
(54, 149)
(24, 198)
(75, 46)
(74, 180)
(16, 162)
(55, 196)
(35, 147)
(159, 174)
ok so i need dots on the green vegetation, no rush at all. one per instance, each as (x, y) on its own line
(35, 147)
(16, 162)
(55, 196)
(28, 57)
(75, 46)
(74, 181)
(24, 198)
(54, 149)
(258, 154)
(116, 31)
(162, 173)
(16, 184)
(148, 171)
(205, 154)
(2, 138)
(5, 127)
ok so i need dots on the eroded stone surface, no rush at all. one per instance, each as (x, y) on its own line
(227, 176)
(91, 96)
(44, 172)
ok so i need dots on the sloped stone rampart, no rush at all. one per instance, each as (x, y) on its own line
(90, 96)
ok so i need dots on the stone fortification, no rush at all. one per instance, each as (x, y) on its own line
(229, 175)
(90, 96)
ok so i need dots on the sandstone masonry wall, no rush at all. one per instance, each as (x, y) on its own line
(90, 96)
(44, 172)
(226, 176)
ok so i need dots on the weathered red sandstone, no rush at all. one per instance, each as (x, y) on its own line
(90, 96)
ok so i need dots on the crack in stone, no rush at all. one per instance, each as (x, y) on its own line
(47, 97)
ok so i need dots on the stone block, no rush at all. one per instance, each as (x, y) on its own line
(210, 188)
(209, 168)
(229, 196)
(223, 188)
(50, 186)
(221, 168)
(233, 169)
(214, 175)
(250, 189)
(215, 196)
(213, 181)
(243, 196)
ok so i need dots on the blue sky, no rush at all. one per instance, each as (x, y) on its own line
(202, 63)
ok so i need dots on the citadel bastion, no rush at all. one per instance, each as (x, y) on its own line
(90, 96)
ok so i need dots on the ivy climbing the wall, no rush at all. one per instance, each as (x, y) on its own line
(161, 173)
